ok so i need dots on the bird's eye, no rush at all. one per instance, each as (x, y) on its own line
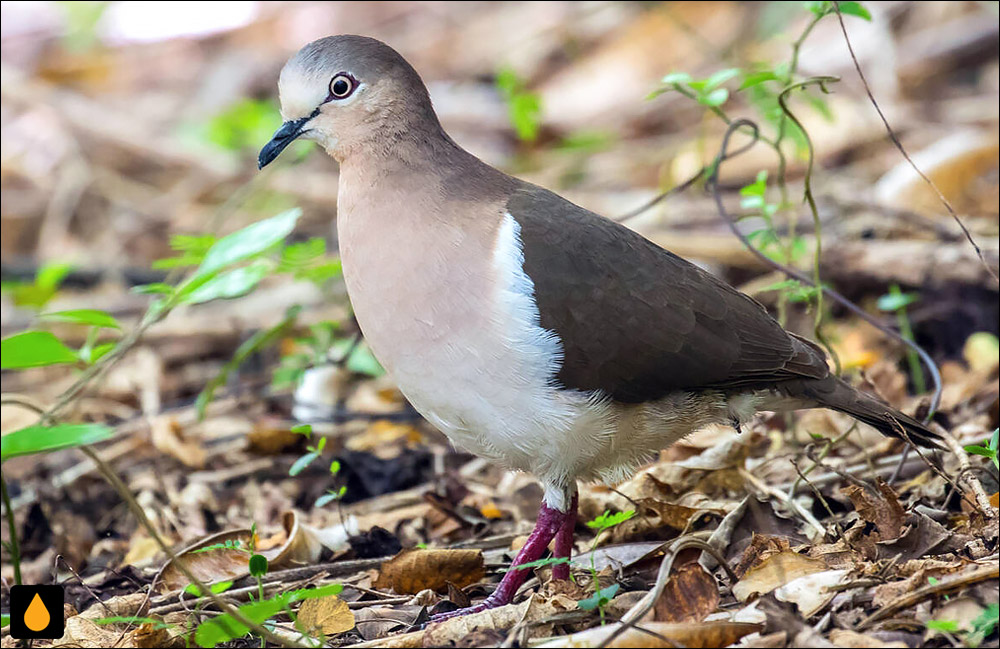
(342, 86)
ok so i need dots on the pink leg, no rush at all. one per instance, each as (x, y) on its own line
(550, 521)
(564, 541)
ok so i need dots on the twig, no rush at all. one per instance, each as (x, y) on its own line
(946, 584)
(713, 184)
(770, 491)
(966, 472)
(899, 145)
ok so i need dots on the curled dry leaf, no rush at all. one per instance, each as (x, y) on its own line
(411, 571)
(298, 544)
(661, 634)
(168, 437)
(811, 592)
(774, 571)
(883, 510)
(327, 615)
(690, 595)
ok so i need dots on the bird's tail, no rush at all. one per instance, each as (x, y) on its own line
(835, 393)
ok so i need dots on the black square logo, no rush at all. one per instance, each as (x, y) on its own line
(36, 612)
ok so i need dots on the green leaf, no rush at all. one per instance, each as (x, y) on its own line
(34, 349)
(716, 97)
(133, 619)
(315, 593)
(229, 544)
(720, 78)
(258, 565)
(42, 439)
(301, 463)
(4, 620)
(217, 588)
(820, 8)
(895, 301)
(156, 288)
(855, 9)
(248, 242)
(599, 599)
(949, 626)
(677, 77)
(37, 293)
(334, 467)
(607, 520)
(302, 429)
(224, 628)
(984, 625)
(327, 498)
(548, 561)
(94, 317)
(757, 78)
(230, 284)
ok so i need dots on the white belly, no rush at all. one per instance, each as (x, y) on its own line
(454, 321)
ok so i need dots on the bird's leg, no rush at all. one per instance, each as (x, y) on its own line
(564, 541)
(550, 522)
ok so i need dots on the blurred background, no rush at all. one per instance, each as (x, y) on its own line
(129, 140)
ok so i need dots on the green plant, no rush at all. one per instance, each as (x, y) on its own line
(988, 449)
(524, 108)
(602, 596)
(37, 293)
(226, 627)
(895, 301)
(765, 87)
(317, 348)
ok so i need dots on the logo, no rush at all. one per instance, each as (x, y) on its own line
(36, 612)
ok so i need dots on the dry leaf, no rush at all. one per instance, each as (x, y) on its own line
(328, 615)
(811, 592)
(776, 570)
(661, 634)
(450, 632)
(690, 595)
(168, 437)
(271, 440)
(411, 571)
(209, 567)
(855, 640)
(883, 510)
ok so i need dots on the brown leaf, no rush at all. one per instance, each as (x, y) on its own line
(210, 566)
(411, 571)
(661, 634)
(776, 570)
(328, 615)
(883, 510)
(267, 439)
(676, 516)
(168, 437)
(761, 546)
(690, 595)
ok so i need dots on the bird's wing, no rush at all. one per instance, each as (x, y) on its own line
(637, 321)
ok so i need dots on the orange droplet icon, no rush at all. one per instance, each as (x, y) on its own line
(36, 617)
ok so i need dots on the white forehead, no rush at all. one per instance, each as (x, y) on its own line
(301, 90)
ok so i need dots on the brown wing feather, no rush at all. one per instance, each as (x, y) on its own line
(637, 321)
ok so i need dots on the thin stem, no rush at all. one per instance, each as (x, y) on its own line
(15, 548)
(817, 224)
(713, 184)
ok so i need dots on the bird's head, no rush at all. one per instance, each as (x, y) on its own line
(349, 94)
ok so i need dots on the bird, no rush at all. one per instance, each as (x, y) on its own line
(527, 329)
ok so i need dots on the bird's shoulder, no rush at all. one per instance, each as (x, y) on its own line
(635, 320)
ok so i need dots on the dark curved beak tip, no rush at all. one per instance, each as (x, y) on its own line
(281, 139)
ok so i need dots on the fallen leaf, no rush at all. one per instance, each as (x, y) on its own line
(271, 440)
(450, 632)
(328, 615)
(168, 437)
(883, 510)
(661, 634)
(411, 571)
(690, 595)
(775, 571)
(811, 592)
(855, 640)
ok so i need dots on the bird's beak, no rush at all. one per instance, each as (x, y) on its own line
(282, 138)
